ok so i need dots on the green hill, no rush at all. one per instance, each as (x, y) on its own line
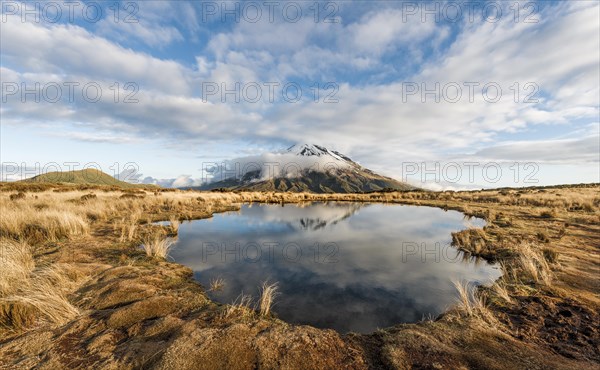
(81, 177)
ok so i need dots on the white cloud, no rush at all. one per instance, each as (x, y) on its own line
(276, 164)
(576, 151)
(73, 51)
(378, 31)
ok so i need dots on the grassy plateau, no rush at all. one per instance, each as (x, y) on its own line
(86, 283)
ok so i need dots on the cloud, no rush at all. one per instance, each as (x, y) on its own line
(369, 54)
(576, 151)
(378, 31)
(278, 164)
(69, 50)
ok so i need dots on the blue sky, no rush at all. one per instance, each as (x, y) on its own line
(369, 53)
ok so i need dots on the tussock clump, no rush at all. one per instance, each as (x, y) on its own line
(502, 285)
(17, 196)
(174, 225)
(244, 308)
(534, 265)
(28, 294)
(548, 214)
(16, 263)
(550, 255)
(128, 226)
(241, 308)
(87, 197)
(543, 237)
(473, 240)
(24, 221)
(40, 299)
(157, 246)
(472, 304)
(267, 297)
(217, 284)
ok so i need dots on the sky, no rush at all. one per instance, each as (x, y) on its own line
(451, 94)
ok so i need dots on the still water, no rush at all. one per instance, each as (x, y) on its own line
(345, 266)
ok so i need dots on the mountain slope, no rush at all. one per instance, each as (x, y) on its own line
(87, 177)
(317, 170)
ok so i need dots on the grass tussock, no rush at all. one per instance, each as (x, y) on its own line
(128, 226)
(244, 307)
(548, 214)
(17, 196)
(29, 294)
(39, 298)
(501, 290)
(36, 221)
(533, 265)
(16, 264)
(472, 304)
(174, 224)
(217, 284)
(474, 240)
(157, 246)
(550, 255)
(240, 309)
(267, 298)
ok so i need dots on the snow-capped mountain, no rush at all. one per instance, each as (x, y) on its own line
(309, 150)
(302, 167)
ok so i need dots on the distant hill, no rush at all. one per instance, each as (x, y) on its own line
(345, 175)
(81, 177)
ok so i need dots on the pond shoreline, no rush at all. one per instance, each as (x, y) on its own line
(374, 265)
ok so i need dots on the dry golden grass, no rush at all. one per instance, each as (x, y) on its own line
(50, 217)
(217, 284)
(534, 265)
(28, 293)
(268, 293)
(500, 289)
(129, 225)
(174, 225)
(42, 299)
(474, 240)
(157, 246)
(240, 309)
(473, 304)
(16, 263)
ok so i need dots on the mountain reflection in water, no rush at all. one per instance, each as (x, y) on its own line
(346, 266)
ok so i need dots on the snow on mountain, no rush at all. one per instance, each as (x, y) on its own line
(289, 163)
(309, 150)
(302, 167)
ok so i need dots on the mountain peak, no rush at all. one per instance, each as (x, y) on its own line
(309, 168)
(309, 150)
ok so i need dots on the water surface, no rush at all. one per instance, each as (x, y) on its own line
(346, 266)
